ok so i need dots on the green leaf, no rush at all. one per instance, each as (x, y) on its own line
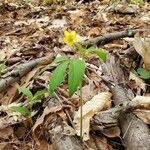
(26, 92)
(98, 51)
(76, 73)
(20, 109)
(60, 59)
(57, 76)
(143, 73)
(38, 94)
(57, 60)
(45, 68)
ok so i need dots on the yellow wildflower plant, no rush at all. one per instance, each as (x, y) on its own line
(70, 37)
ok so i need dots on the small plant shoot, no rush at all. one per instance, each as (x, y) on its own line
(74, 68)
(32, 99)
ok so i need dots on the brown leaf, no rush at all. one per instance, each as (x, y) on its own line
(112, 132)
(45, 76)
(44, 145)
(76, 16)
(102, 143)
(6, 133)
(26, 79)
(143, 115)
(9, 95)
(142, 46)
(94, 31)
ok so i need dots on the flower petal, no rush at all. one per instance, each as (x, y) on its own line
(70, 37)
(73, 35)
(66, 33)
(65, 40)
(70, 44)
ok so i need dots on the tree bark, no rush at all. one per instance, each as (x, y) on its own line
(135, 132)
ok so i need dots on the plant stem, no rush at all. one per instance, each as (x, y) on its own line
(30, 109)
(30, 120)
(81, 110)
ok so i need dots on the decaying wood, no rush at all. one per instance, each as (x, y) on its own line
(113, 36)
(22, 70)
(55, 131)
(135, 132)
(110, 118)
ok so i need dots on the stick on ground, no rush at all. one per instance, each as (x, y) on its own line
(22, 70)
(113, 36)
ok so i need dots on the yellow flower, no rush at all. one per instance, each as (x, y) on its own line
(70, 37)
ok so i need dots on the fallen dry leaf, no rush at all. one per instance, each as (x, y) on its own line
(142, 46)
(96, 104)
(94, 31)
(40, 120)
(145, 17)
(26, 79)
(9, 95)
(143, 115)
(44, 145)
(76, 16)
(112, 132)
(102, 143)
(6, 133)
(44, 77)
(145, 100)
(58, 23)
(139, 82)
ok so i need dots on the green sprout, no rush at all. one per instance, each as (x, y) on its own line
(32, 99)
(74, 68)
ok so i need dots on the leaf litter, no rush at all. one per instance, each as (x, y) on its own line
(29, 31)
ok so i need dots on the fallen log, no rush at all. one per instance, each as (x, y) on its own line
(113, 36)
(135, 132)
(110, 118)
(22, 70)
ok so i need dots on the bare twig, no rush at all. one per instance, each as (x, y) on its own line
(22, 70)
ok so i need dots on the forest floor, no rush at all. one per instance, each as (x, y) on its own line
(31, 36)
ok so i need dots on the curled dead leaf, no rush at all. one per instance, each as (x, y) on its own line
(112, 132)
(142, 46)
(96, 104)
